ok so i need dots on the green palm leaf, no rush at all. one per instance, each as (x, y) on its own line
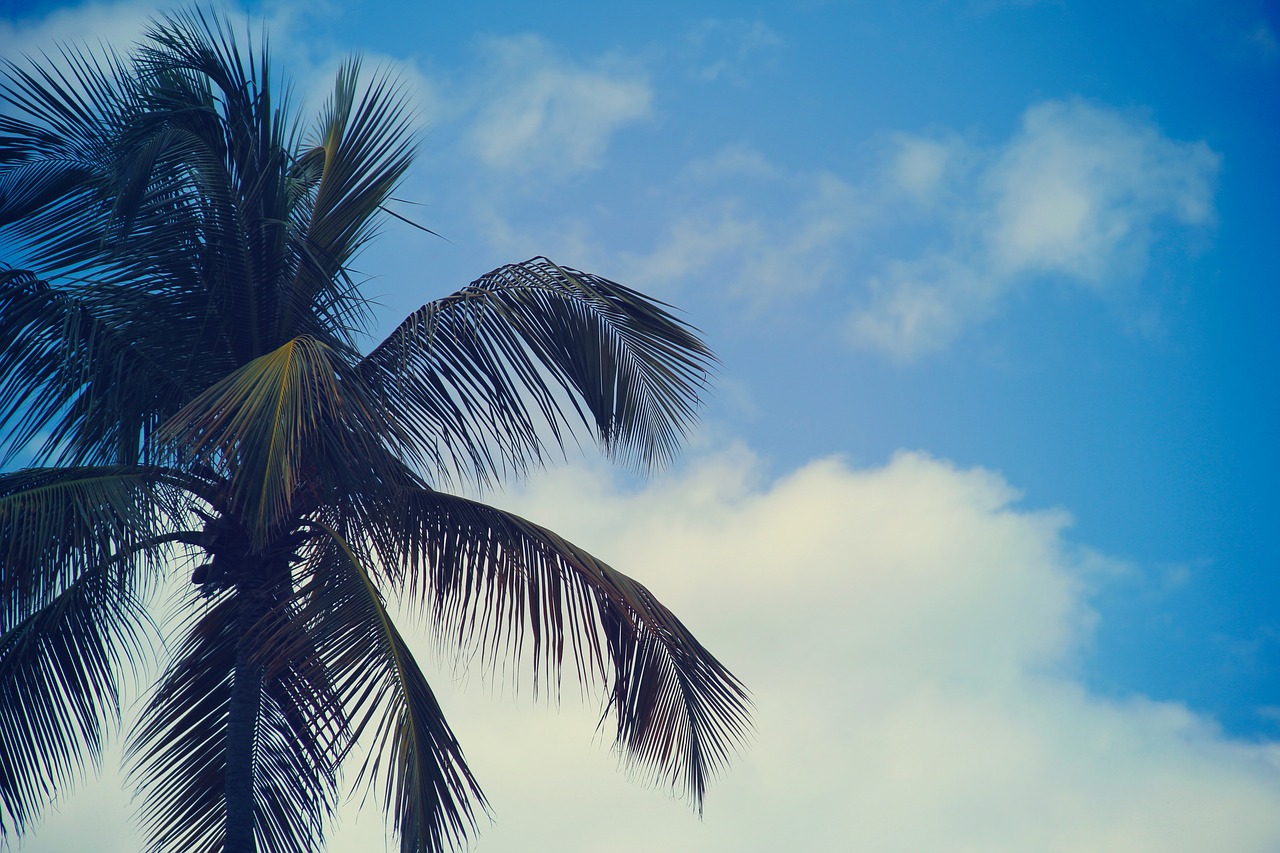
(59, 686)
(57, 524)
(79, 548)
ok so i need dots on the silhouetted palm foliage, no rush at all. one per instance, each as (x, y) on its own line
(181, 366)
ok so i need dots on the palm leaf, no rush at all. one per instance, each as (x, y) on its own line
(363, 148)
(78, 550)
(93, 408)
(178, 752)
(275, 424)
(497, 367)
(59, 687)
(428, 791)
(495, 581)
(57, 524)
(55, 151)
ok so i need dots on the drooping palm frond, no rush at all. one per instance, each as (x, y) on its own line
(56, 153)
(79, 550)
(60, 671)
(177, 754)
(414, 758)
(498, 366)
(86, 374)
(496, 582)
(176, 751)
(58, 524)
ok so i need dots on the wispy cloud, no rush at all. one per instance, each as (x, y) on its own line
(1081, 189)
(1081, 193)
(117, 25)
(727, 50)
(757, 233)
(930, 237)
(540, 113)
(1262, 43)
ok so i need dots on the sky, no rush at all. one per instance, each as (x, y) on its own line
(982, 508)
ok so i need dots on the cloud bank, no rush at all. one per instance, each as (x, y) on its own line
(908, 632)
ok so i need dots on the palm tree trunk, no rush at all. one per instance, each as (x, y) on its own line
(242, 723)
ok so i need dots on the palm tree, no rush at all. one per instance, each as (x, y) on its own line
(182, 370)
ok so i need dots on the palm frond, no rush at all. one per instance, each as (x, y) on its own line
(59, 524)
(178, 754)
(481, 377)
(233, 167)
(495, 582)
(286, 427)
(414, 758)
(86, 374)
(55, 151)
(363, 148)
(79, 548)
(59, 686)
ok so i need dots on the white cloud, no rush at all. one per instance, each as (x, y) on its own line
(736, 226)
(908, 632)
(918, 306)
(1080, 189)
(116, 24)
(930, 242)
(540, 113)
(1082, 193)
(919, 165)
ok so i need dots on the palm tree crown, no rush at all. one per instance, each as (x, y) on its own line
(181, 367)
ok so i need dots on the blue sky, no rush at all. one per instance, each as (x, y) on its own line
(984, 506)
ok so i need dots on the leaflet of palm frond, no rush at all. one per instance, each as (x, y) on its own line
(177, 752)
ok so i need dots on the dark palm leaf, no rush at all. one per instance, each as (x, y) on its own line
(59, 686)
(79, 548)
(97, 407)
(362, 150)
(57, 524)
(178, 751)
(414, 757)
(495, 581)
(500, 364)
